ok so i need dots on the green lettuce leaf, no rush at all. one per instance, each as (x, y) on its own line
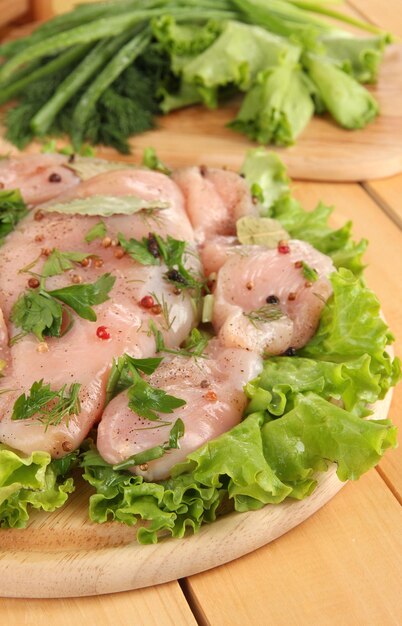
(33, 481)
(184, 39)
(265, 173)
(359, 56)
(278, 106)
(312, 226)
(235, 58)
(350, 104)
(351, 326)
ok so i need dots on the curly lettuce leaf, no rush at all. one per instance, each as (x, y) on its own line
(351, 326)
(256, 463)
(312, 226)
(277, 107)
(33, 481)
(268, 181)
(265, 172)
(283, 378)
(350, 104)
(184, 39)
(235, 58)
(316, 432)
(359, 56)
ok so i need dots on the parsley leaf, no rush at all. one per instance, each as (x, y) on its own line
(96, 232)
(309, 273)
(58, 262)
(81, 297)
(176, 432)
(151, 160)
(121, 374)
(51, 407)
(12, 210)
(146, 400)
(39, 313)
(139, 250)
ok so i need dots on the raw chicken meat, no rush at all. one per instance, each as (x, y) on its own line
(213, 390)
(254, 277)
(39, 177)
(215, 199)
(80, 355)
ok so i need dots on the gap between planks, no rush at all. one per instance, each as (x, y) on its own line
(193, 603)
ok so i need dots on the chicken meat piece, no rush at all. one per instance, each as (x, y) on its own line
(263, 300)
(39, 177)
(84, 354)
(212, 388)
(215, 200)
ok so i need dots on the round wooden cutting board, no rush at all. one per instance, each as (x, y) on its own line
(63, 554)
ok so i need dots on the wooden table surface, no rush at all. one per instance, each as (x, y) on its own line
(342, 566)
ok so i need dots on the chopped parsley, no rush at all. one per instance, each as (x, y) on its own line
(12, 210)
(309, 273)
(98, 231)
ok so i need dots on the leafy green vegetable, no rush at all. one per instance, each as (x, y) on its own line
(278, 106)
(260, 231)
(140, 250)
(82, 297)
(309, 273)
(121, 374)
(351, 326)
(194, 345)
(146, 400)
(253, 464)
(348, 102)
(105, 206)
(101, 73)
(50, 407)
(235, 58)
(12, 210)
(31, 481)
(38, 313)
(150, 159)
(96, 232)
(58, 262)
(359, 56)
(266, 171)
(175, 433)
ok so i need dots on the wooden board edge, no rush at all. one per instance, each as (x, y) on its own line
(134, 566)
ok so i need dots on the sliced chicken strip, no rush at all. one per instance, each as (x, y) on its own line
(215, 199)
(215, 401)
(39, 177)
(254, 277)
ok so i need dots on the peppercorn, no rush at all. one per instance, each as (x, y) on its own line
(290, 352)
(33, 283)
(283, 247)
(147, 302)
(54, 178)
(176, 277)
(153, 246)
(272, 299)
(102, 332)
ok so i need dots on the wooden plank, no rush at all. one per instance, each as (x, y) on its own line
(387, 14)
(383, 274)
(341, 567)
(11, 9)
(154, 606)
(388, 193)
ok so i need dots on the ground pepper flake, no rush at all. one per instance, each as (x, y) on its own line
(102, 332)
(38, 215)
(299, 264)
